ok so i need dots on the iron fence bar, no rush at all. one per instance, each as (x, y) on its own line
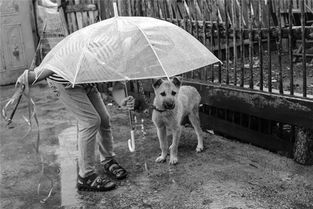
(303, 50)
(219, 45)
(290, 47)
(191, 32)
(250, 46)
(197, 34)
(212, 44)
(241, 44)
(260, 45)
(234, 40)
(205, 69)
(269, 47)
(281, 91)
(227, 43)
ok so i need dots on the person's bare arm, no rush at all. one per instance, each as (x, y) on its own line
(44, 74)
(32, 77)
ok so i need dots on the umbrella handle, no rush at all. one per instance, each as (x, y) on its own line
(130, 114)
(131, 141)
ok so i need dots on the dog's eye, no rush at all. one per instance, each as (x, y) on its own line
(163, 94)
(173, 93)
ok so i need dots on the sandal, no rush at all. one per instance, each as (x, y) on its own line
(114, 169)
(94, 183)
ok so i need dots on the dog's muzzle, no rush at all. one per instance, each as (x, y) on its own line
(169, 105)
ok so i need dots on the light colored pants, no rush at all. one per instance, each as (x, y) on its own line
(87, 106)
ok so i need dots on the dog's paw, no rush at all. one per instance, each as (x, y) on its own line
(160, 159)
(173, 160)
(199, 149)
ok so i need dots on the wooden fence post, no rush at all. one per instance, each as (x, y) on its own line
(303, 148)
(63, 18)
(115, 9)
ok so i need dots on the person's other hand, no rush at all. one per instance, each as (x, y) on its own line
(102, 87)
(128, 103)
(21, 80)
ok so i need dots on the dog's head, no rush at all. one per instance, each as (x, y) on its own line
(166, 92)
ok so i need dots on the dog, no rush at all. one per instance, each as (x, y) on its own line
(172, 103)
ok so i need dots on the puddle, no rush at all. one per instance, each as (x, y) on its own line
(67, 157)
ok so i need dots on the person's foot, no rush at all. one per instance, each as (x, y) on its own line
(94, 183)
(113, 169)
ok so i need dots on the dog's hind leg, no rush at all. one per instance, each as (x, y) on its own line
(162, 135)
(195, 121)
(174, 146)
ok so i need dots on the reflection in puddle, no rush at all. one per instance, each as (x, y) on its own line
(67, 157)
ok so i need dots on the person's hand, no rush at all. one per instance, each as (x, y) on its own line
(22, 79)
(128, 103)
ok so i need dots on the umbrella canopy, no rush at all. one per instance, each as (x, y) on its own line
(126, 48)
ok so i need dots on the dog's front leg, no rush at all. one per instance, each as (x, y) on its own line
(162, 135)
(174, 146)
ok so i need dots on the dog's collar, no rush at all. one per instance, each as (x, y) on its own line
(159, 110)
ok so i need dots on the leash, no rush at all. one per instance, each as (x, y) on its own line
(32, 114)
(24, 90)
(16, 98)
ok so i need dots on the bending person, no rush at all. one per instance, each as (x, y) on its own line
(85, 103)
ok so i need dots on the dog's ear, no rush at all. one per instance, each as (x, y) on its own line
(157, 83)
(176, 81)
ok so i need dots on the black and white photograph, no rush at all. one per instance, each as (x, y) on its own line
(156, 104)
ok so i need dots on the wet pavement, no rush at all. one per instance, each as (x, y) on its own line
(226, 175)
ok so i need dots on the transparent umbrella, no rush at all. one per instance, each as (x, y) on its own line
(126, 48)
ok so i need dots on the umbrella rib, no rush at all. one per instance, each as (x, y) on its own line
(78, 66)
(144, 34)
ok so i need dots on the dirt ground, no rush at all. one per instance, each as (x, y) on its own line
(227, 175)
